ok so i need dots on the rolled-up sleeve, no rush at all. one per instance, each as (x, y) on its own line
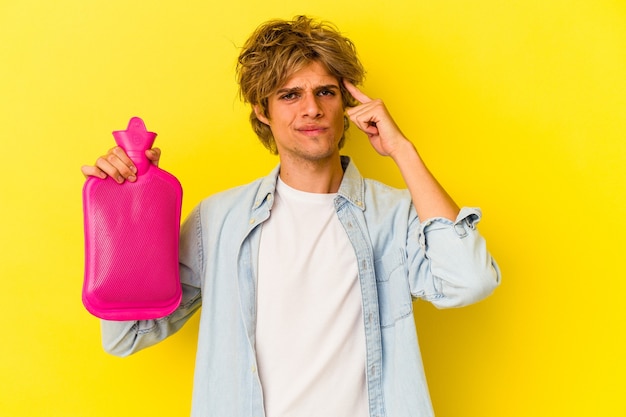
(456, 268)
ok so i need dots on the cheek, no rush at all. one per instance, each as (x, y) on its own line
(280, 117)
(340, 118)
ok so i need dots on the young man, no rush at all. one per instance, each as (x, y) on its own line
(306, 277)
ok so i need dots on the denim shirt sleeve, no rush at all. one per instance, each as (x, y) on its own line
(121, 338)
(460, 269)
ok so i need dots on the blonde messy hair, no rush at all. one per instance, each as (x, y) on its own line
(279, 48)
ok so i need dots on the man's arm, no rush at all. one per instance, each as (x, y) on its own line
(122, 338)
(429, 197)
(460, 269)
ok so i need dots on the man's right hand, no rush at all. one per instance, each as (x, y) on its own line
(117, 165)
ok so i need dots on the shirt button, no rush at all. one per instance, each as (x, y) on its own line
(252, 221)
(253, 369)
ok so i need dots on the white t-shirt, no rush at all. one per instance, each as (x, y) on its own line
(310, 339)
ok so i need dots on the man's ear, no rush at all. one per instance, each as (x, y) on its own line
(260, 115)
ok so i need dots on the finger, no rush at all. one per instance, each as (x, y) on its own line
(92, 171)
(154, 155)
(107, 165)
(365, 122)
(121, 155)
(355, 92)
(116, 165)
(365, 115)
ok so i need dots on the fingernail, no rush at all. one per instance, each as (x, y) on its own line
(134, 169)
(132, 178)
(120, 179)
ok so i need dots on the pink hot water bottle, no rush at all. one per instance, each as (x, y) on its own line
(131, 237)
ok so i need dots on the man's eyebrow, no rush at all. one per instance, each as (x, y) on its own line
(288, 90)
(297, 89)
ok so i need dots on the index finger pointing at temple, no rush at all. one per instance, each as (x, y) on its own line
(356, 93)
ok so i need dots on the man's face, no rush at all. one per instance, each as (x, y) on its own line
(306, 115)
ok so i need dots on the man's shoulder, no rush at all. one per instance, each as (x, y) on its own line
(382, 199)
(375, 188)
(237, 194)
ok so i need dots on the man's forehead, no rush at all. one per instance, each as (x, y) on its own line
(314, 74)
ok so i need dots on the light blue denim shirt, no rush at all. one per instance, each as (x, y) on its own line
(399, 259)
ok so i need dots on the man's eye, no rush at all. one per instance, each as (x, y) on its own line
(288, 96)
(326, 93)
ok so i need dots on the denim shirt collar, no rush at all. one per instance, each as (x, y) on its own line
(352, 187)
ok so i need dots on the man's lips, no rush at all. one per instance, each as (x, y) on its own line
(311, 130)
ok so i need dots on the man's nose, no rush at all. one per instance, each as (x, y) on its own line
(311, 106)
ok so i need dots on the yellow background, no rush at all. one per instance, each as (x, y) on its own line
(517, 106)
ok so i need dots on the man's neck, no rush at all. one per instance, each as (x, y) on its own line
(323, 176)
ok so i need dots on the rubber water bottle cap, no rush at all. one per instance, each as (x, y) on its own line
(136, 140)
